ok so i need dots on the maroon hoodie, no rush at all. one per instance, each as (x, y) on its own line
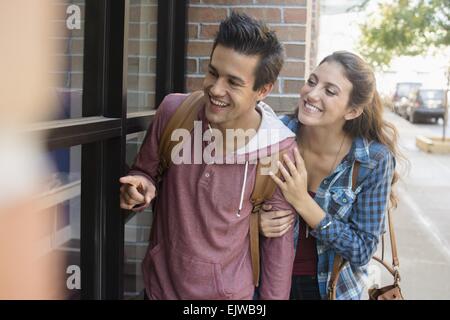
(200, 248)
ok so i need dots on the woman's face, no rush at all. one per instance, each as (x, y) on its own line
(325, 96)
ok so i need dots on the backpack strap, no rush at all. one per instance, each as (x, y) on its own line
(183, 118)
(263, 190)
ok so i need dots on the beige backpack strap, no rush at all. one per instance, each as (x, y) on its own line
(339, 262)
(263, 190)
(183, 118)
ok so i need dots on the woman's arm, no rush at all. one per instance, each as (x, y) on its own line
(356, 239)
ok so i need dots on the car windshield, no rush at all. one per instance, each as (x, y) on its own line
(404, 89)
(431, 95)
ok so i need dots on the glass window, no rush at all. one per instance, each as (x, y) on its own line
(68, 32)
(62, 205)
(142, 34)
(137, 232)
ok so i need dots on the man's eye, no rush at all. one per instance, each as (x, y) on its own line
(212, 73)
(311, 82)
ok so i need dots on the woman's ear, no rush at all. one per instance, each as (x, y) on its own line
(353, 113)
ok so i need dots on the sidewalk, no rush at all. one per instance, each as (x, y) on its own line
(422, 219)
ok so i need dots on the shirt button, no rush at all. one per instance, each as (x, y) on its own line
(325, 181)
(344, 200)
(207, 175)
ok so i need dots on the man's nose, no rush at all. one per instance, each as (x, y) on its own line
(218, 88)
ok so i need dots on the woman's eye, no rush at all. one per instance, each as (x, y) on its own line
(212, 73)
(330, 92)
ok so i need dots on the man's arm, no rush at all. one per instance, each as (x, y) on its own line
(277, 258)
(138, 187)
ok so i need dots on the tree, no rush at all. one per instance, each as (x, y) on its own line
(405, 28)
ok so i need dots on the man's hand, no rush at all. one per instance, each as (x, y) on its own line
(136, 190)
(274, 224)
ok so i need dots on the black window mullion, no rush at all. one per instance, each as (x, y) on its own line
(92, 192)
(102, 220)
(114, 149)
(171, 48)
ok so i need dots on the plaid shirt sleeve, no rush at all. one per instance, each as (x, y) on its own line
(356, 239)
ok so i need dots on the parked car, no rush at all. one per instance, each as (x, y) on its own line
(426, 104)
(403, 92)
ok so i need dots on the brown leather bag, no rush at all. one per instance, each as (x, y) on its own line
(389, 292)
(264, 187)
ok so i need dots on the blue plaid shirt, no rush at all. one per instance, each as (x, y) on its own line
(355, 219)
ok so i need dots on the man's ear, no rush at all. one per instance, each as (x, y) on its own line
(264, 91)
(353, 113)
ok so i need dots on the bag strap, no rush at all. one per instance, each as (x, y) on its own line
(183, 118)
(263, 190)
(339, 262)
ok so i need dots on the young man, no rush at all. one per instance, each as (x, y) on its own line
(199, 247)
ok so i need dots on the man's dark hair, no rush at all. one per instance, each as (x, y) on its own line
(252, 37)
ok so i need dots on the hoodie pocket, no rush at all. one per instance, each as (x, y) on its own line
(176, 275)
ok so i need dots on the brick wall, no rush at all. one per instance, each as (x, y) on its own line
(69, 59)
(287, 17)
(142, 38)
(314, 24)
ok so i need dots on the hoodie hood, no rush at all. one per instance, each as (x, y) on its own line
(269, 138)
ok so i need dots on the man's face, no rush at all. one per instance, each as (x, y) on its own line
(228, 87)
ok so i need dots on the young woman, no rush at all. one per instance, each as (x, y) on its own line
(339, 123)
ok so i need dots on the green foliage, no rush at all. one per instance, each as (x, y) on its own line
(405, 28)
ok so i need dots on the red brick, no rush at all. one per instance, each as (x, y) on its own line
(143, 13)
(282, 104)
(142, 47)
(208, 31)
(152, 65)
(290, 33)
(193, 31)
(193, 84)
(282, 2)
(191, 66)
(153, 30)
(141, 82)
(276, 87)
(292, 86)
(138, 31)
(227, 1)
(197, 14)
(268, 15)
(293, 69)
(204, 63)
(197, 48)
(296, 51)
(292, 15)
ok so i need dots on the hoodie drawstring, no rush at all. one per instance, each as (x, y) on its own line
(243, 189)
